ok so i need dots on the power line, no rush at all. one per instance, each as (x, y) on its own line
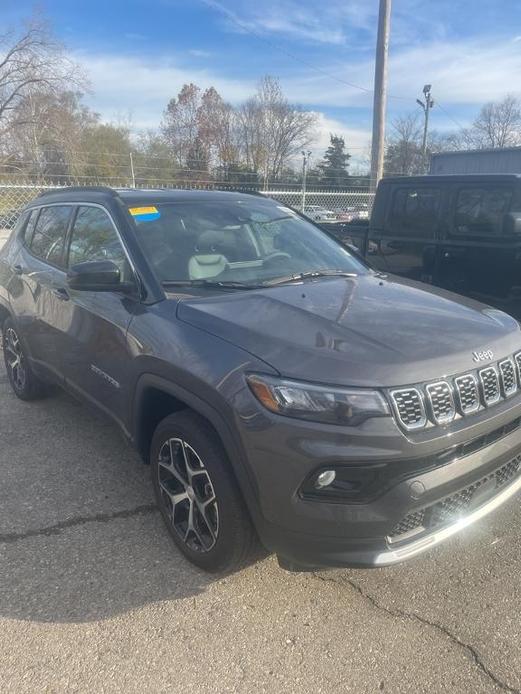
(245, 27)
(461, 127)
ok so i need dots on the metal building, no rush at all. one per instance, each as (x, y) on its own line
(485, 161)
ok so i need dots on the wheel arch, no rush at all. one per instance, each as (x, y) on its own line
(156, 398)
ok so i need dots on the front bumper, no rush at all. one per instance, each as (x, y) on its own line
(310, 532)
(414, 547)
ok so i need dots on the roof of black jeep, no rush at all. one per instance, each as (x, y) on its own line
(135, 195)
(452, 178)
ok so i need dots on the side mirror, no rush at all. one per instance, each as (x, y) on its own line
(512, 223)
(96, 276)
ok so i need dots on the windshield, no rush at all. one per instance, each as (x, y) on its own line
(239, 241)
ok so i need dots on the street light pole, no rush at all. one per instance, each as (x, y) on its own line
(426, 106)
(305, 161)
(380, 92)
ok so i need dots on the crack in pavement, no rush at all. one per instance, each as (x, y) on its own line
(413, 616)
(56, 529)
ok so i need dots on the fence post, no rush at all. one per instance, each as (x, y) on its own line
(305, 160)
(132, 171)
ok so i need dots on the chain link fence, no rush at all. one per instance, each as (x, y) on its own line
(320, 205)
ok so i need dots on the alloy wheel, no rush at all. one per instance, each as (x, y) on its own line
(188, 495)
(15, 360)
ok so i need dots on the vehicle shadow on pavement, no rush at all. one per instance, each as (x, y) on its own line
(94, 572)
(80, 536)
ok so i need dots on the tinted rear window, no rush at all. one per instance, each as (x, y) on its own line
(479, 211)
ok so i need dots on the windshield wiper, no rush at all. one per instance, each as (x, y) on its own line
(272, 221)
(310, 274)
(225, 284)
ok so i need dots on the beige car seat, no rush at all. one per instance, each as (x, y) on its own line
(204, 266)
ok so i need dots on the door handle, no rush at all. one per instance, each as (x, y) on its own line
(61, 293)
(18, 270)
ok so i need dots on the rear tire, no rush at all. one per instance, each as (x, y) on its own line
(198, 495)
(24, 383)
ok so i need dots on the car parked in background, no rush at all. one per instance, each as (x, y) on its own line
(317, 213)
(362, 210)
(344, 214)
(279, 388)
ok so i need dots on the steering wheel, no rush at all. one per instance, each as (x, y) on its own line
(275, 257)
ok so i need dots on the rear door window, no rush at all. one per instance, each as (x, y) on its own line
(48, 240)
(479, 211)
(415, 212)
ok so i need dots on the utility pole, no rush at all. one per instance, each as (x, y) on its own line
(380, 92)
(305, 163)
(426, 106)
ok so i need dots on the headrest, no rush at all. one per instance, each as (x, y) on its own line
(209, 240)
(205, 266)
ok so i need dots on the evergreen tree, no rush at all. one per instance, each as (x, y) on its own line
(334, 167)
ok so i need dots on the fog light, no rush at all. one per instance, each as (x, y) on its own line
(325, 479)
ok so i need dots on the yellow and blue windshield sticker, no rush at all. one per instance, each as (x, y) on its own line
(144, 214)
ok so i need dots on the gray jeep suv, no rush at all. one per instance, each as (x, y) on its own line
(280, 389)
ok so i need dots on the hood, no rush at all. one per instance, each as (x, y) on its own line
(363, 331)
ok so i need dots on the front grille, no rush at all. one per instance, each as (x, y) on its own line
(467, 392)
(412, 522)
(517, 359)
(508, 377)
(455, 506)
(441, 402)
(409, 407)
(489, 385)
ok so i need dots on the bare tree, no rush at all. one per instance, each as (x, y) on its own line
(498, 124)
(32, 62)
(272, 129)
(49, 132)
(251, 135)
(403, 154)
(216, 126)
(180, 126)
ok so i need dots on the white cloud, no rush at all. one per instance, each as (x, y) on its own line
(462, 73)
(143, 87)
(198, 53)
(327, 23)
(470, 72)
(357, 140)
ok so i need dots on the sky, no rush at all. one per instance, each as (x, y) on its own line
(138, 54)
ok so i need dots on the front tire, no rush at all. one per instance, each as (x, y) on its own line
(24, 383)
(198, 495)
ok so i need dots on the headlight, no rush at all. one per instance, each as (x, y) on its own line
(347, 406)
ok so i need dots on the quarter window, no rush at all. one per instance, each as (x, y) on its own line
(415, 212)
(480, 211)
(30, 223)
(48, 239)
(95, 238)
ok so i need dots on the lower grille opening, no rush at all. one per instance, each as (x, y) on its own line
(455, 506)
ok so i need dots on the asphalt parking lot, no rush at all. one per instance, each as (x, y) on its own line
(94, 597)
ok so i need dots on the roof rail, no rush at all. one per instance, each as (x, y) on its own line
(79, 189)
(238, 189)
